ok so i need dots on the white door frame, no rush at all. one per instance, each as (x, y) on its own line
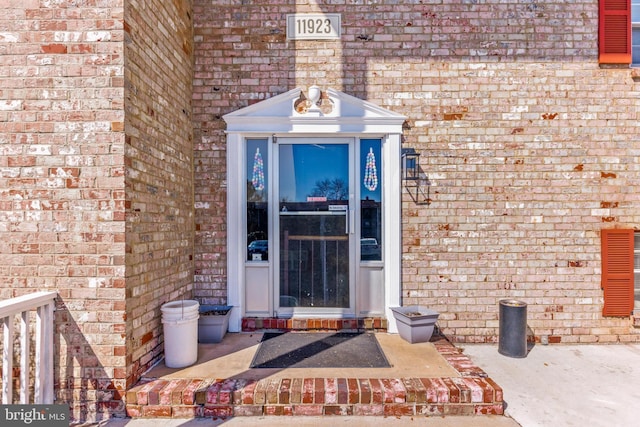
(281, 116)
(349, 216)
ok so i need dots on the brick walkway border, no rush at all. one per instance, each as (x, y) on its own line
(472, 393)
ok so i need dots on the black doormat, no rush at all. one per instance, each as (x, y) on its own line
(319, 350)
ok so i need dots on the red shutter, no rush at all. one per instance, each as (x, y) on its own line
(617, 272)
(615, 32)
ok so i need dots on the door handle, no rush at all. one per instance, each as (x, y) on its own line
(349, 221)
(346, 222)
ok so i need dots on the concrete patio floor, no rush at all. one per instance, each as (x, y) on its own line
(567, 385)
(308, 421)
(232, 358)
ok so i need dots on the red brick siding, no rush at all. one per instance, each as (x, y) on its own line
(72, 185)
(528, 144)
(159, 171)
(62, 202)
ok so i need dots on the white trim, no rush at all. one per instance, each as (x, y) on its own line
(278, 115)
(305, 312)
(235, 224)
(391, 187)
(349, 117)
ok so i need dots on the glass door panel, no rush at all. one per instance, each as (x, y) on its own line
(314, 222)
(314, 260)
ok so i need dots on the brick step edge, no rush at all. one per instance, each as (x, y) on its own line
(196, 398)
(253, 324)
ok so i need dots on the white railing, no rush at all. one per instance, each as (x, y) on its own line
(42, 303)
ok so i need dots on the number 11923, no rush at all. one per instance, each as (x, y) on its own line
(313, 27)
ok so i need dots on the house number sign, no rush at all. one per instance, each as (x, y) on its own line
(312, 26)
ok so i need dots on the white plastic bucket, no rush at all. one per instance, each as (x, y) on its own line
(180, 322)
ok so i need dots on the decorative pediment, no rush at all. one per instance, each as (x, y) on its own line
(318, 111)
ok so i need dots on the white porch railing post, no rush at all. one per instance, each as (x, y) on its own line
(7, 360)
(24, 356)
(43, 303)
(44, 354)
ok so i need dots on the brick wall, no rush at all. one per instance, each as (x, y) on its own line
(525, 176)
(96, 181)
(529, 145)
(62, 201)
(159, 172)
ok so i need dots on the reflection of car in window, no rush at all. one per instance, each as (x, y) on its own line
(369, 249)
(258, 250)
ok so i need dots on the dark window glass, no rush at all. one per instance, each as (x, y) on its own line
(257, 200)
(371, 200)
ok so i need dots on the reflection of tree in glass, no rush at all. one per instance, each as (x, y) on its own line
(254, 195)
(335, 189)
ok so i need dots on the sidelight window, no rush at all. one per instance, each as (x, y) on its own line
(257, 200)
(370, 200)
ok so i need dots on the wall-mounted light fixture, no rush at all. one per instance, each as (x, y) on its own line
(410, 165)
(414, 179)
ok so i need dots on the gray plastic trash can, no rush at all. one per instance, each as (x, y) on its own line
(513, 328)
